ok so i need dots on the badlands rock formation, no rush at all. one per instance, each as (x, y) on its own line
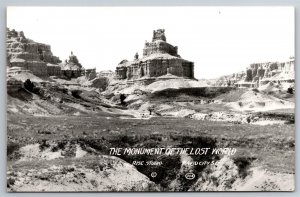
(25, 55)
(159, 58)
(269, 71)
(258, 74)
(30, 55)
(91, 73)
(72, 68)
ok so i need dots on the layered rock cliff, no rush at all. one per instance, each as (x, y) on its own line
(72, 68)
(269, 71)
(258, 74)
(31, 55)
(159, 59)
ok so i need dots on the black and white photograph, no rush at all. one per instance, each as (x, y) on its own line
(150, 99)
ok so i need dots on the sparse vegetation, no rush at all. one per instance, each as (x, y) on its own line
(28, 85)
(290, 90)
(122, 99)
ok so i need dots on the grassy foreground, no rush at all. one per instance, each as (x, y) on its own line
(271, 146)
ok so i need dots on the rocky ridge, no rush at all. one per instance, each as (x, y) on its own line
(159, 59)
(30, 55)
(258, 74)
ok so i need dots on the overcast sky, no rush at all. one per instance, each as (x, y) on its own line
(219, 40)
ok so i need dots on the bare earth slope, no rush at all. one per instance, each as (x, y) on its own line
(59, 137)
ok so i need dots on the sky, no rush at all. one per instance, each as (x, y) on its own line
(219, 40)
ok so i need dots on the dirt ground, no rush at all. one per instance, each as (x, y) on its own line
(59, 139)
(45, 143)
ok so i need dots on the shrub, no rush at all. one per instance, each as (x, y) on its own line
(76, 93)
(122, 99)
(28, 85)
(12, 147)
(10, 182)
(290, 90)
(44, 145)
